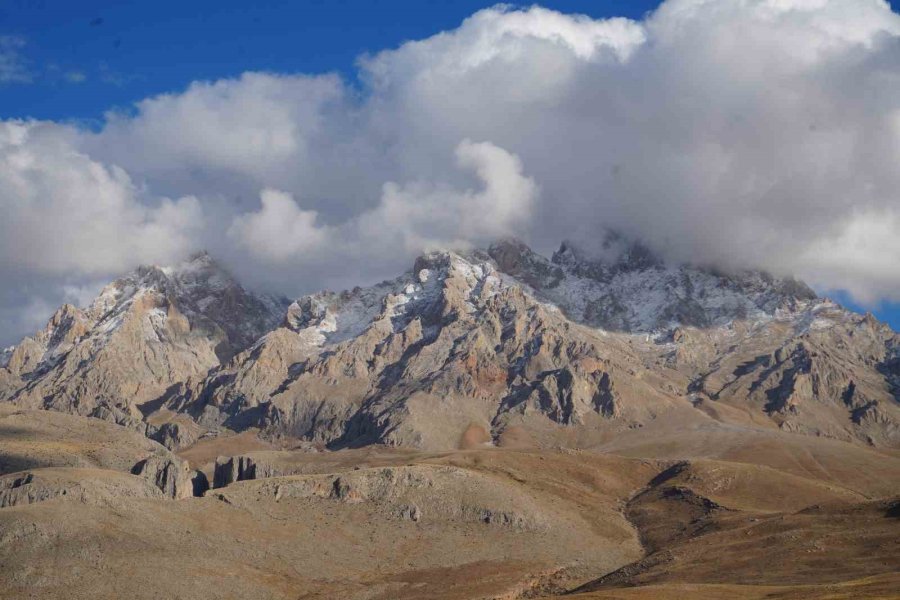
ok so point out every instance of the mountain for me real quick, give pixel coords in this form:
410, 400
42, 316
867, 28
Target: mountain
501, 345
490, 424
625, 287
143, 333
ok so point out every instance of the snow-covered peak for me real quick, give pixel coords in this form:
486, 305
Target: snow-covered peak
196, 284
198, 290
613, 254
200, 271
623, 286
439, 281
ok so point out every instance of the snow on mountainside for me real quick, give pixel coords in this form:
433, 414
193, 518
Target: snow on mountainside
635, 291
507, 338
204, 292
495, 339
5, 355
338, 317
143, 333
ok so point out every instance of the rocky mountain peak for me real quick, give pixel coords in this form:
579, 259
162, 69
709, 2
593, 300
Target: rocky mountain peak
486, 337
440, 283
64, 328
615, 253
144, 332
489, 336
515, 258
623, 286
619, 284
201, 290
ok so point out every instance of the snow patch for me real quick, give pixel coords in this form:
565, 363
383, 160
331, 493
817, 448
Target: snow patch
5, 355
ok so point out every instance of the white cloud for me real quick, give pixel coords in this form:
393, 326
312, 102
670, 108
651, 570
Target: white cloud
75, 77
425, 215
66, 213
256, 129
13, 68
279, 231
866, 248
409, 217
746, 133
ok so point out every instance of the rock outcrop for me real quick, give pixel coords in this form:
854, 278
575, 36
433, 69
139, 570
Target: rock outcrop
173, 476
413, 493
256, 465
87, 486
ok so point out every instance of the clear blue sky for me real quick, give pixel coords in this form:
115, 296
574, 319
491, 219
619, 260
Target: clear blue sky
88, 56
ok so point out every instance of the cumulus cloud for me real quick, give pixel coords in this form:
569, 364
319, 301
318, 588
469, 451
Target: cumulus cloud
234, 136
745, 133
858, 257
64, 212
418, 215
409, 218
279, 231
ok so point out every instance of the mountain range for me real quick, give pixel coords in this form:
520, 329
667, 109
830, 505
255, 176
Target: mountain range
476, 345
597, 420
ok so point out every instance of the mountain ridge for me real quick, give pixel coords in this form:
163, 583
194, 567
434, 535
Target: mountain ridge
471, 412
481, 344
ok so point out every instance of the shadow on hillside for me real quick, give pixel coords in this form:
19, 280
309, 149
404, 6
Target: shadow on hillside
12, 462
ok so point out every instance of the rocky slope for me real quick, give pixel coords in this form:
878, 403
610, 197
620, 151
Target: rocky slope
453, 346
491, 424
390, 524
487, 347
501, 346
46, 455
142, 334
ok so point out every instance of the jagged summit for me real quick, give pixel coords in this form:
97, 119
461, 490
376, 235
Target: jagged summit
497, 339
143, 332
508, 338
615, 253
626, 287
629, 289
207, 294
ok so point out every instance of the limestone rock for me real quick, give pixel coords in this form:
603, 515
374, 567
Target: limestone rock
173, 476
568, 351
508, 338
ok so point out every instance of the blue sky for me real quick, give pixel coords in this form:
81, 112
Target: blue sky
88, 56
81, 59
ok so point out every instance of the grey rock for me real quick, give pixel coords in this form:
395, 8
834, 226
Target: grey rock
173, 476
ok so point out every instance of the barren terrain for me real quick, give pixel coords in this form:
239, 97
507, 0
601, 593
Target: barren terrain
376, 522
490, 425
